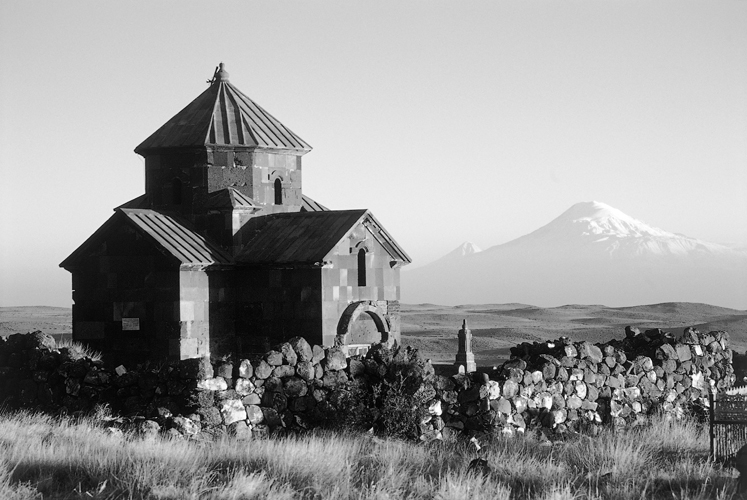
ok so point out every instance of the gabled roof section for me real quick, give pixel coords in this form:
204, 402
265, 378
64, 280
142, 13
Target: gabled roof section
307, 237
177, 237
139, 202
309, 205
223, 116
385, 239
230, 197
297, 237
172, 234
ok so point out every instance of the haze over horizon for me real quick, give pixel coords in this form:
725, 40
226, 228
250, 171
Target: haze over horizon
475, 122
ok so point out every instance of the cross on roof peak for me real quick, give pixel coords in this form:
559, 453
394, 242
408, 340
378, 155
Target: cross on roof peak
220, 74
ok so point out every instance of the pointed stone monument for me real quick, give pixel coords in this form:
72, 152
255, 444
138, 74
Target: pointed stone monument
464, 357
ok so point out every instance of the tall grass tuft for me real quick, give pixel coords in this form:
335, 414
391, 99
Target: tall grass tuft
460, 486
45, 457
14, 490
76, 350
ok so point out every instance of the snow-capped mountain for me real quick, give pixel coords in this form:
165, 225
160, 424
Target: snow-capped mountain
591, 253
463, 250
602, 228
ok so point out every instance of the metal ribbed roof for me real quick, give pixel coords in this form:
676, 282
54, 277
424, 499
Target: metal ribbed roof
309, 205
139, 202
173, 235
167, 231
297, 237
223, 116
307, 237
230, 197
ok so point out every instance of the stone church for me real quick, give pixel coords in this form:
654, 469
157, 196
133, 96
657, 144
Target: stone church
225, 254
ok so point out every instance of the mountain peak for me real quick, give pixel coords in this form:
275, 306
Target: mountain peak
596, 226
597, 219
594, 210
466, 248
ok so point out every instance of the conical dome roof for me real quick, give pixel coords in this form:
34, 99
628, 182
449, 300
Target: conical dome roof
223, 116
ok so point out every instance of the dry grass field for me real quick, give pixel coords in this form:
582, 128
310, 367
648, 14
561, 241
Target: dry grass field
56, 321
50, 458
42, 457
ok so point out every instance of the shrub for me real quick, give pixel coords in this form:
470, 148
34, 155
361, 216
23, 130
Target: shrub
401, 409
393, 405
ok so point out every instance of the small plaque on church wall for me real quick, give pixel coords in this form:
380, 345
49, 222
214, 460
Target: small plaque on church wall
130, 324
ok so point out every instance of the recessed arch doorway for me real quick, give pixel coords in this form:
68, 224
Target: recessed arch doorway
362, 324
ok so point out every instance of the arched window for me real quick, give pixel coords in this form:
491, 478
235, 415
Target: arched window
176, 192
278, 192
361, 267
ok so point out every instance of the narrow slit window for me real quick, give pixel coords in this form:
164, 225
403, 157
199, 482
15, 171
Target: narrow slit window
278, 192
176, 192
361, 267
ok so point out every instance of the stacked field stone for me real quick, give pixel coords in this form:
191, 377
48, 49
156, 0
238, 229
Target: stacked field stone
294, 386
558, 385
565, 385
289, 387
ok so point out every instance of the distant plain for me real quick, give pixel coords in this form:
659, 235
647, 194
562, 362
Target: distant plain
498, 327
495, 327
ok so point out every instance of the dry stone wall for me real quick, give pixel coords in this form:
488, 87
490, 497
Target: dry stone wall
564, 385
287, 388
554, 386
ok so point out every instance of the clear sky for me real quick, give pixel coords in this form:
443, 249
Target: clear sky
451, 121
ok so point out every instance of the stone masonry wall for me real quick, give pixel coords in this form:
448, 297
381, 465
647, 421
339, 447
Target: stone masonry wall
564, 385
552, 386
